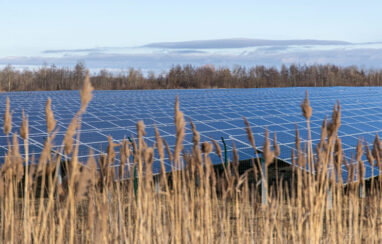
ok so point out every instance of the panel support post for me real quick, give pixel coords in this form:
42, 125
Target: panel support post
156, 184
225, 153
135, 172
263, 184
330, 198
361, 190
59, 172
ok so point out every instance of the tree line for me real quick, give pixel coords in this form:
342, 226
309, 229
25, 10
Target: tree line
188, 76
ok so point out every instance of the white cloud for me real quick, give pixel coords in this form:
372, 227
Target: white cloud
157, 60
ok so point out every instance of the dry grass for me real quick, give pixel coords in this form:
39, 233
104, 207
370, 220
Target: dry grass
196, 205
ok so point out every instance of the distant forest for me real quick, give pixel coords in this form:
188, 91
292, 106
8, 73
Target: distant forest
187, 76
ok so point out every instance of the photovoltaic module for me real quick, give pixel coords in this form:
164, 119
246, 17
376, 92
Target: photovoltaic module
216, 113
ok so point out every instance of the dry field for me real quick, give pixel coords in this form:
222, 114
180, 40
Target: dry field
195, 205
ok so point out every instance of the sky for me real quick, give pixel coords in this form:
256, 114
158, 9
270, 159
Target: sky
30, 28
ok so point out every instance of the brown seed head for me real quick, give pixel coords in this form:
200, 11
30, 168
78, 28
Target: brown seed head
359, 151
218, 149
169, 153
7, 118
267, 153
324, 131
110, 149
376, 151
159, 143
249, 133
195, 134
24, 129
16, 159
369, 155
306, 108
176, 103
206, 147
68, 139
338, 151
235, 155
50, 121
86, 92
338, 115
141, 129
15, 145
148, 155
276, 147
335, 124
180, 125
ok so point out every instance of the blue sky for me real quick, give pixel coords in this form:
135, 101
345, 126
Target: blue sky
30, 27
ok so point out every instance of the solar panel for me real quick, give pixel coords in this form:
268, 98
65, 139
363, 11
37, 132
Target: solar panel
216, 113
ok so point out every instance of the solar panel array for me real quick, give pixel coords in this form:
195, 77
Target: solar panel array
216, 113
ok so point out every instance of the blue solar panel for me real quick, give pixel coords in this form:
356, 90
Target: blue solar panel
215, 113
221, 125
285, 137
349, 140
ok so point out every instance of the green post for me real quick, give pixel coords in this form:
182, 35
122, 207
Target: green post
135, 173
225, 153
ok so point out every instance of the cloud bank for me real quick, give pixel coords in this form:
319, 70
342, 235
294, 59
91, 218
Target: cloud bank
240, 43
221, 53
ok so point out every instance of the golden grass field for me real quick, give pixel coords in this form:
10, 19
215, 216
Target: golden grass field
195, 205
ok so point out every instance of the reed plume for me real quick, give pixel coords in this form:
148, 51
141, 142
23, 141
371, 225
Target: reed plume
7, 118
16, 158
160, 148
86, 92
369, 155
180, 127
195, 134
69, 136
50, 121
377, 150
306, 108
206, 147
267, 152
168, 150
218, 149
249, 133
24, 129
